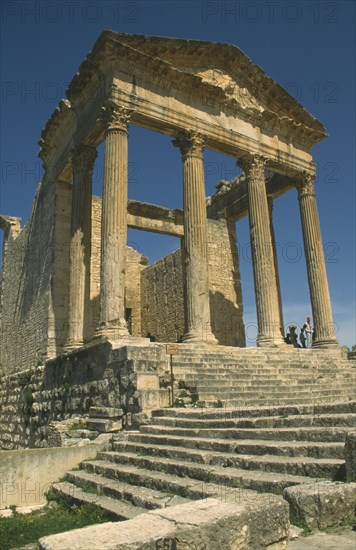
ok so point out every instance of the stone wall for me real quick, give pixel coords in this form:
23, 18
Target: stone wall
129, 377
26, 475
35, 281
162, 299
162, 291
26, 283
58, 313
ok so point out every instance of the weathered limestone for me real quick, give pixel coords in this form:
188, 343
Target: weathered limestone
221, 100
27, 474
323, 504
275, 260
114, 224
80, 246
162, 302
350, 456
314, 254
195, 261
205, 524
266, 292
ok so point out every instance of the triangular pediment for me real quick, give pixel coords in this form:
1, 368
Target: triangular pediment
225, 67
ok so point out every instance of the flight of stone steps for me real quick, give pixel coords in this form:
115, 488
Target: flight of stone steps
233, 377
231, 454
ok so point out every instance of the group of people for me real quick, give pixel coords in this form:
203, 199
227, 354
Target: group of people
305, 335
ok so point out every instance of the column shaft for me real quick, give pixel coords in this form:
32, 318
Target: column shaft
113, 224
195, 242
266, 293
316, 269
83, 159
276, 269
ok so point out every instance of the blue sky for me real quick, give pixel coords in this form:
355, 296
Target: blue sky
307, 46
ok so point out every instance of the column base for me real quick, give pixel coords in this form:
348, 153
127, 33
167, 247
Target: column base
111, 332
71, 346
327, 343
198, 338
268, 342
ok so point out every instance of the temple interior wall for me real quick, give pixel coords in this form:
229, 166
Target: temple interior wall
162, 291
35, 285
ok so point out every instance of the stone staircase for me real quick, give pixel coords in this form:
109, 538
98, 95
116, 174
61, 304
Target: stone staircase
232, 454
232, 377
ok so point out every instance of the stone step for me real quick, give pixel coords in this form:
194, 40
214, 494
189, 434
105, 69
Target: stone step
76, 495
106, 412
174, 487
278, 384
346, 419
265, 371
230, 380
257, 371
244, 402
263, 400
233, 477
104, 425
262, 372
328, 407
141, 497
246, 446
277, 434
285, 392
326, 468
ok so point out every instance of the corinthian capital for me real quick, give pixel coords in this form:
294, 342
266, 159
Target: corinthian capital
253, 165
83, 157
115, 117
305, 184
190, 143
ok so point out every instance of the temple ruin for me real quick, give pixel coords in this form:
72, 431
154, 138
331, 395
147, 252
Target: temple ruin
223, 444
69, 278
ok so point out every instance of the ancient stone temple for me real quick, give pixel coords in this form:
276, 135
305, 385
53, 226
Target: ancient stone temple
77, 303
68, 276
222, 443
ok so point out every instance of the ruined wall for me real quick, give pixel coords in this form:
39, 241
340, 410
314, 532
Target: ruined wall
162, 303
225, 284
162, 291
26, 284
69, 385
35, 281
58, 313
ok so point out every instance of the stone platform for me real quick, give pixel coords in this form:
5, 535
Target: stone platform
137, 379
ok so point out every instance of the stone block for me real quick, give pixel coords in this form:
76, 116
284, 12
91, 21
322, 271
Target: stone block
105, 412
147, 382
350, 456
321, 505
205, 524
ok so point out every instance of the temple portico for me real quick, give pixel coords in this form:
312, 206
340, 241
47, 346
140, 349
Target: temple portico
222, 102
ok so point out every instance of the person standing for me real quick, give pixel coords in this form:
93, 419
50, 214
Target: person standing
302, 336
309, 333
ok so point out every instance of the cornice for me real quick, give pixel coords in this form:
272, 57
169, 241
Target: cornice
161, 64
229, 57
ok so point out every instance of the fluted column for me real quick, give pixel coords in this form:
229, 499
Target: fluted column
316, 269
276, 269
112, 322
195, 242
83, 159
266, 293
